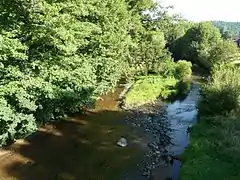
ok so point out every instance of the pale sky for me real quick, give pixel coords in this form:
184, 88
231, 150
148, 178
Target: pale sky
198, 10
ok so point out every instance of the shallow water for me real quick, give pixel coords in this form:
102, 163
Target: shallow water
71, 140
173, 120
182, 115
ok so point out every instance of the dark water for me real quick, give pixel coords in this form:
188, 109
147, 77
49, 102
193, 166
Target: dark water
177, 116
181, 116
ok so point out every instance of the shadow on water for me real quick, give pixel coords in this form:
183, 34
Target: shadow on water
83, 148
181, 115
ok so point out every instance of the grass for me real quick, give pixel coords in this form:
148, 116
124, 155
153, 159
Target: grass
149, 88
214, 151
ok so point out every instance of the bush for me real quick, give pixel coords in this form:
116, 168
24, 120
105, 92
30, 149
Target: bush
224, 51
183, 70
221, 96
215, 144
149, 88
166, 68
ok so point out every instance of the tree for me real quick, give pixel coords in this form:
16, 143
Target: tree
147, 51
56, 57
224, 52
227, 35
231, 27
198, 42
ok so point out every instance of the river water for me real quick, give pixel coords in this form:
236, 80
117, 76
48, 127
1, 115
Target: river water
168, 121
182, 115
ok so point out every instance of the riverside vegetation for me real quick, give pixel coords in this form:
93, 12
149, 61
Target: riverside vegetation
58, 56
215, 141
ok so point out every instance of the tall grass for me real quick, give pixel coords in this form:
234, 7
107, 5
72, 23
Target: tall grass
172, 79
149, 88
214, 151
221, 96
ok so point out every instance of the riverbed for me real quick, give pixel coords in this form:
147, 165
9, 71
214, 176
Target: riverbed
84, 147
168, 125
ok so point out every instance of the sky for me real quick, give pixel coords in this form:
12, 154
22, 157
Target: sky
202, 10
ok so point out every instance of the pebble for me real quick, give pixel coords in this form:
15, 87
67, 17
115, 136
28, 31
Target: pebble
147, 118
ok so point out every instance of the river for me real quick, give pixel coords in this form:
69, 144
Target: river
169, 126
85, 146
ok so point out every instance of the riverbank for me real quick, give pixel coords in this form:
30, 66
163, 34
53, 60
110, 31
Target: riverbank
87, 143
167, 125
147, 89
214, 151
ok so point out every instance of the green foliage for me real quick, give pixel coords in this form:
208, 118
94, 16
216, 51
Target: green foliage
149, 88
229, 30
227, 35
221, 96
215, 139
148, 52
58, 56
224, 51
214, 150
166, 68
173, 79
198, 42
183, 70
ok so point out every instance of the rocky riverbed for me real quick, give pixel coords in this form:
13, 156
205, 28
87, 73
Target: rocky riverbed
166, 126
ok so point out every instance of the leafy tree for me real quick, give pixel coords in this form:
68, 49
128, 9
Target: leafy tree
147, 51
198, 42
225, 51
231, 28
227, 35
56, 56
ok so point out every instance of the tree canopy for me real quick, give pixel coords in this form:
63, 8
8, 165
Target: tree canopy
229, 30
57, 56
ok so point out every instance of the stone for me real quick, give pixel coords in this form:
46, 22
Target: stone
122, 142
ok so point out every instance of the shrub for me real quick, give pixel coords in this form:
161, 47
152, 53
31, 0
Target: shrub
224, 51
183, 70
215, 143
221, 96
149, 88
55, 58
166, 68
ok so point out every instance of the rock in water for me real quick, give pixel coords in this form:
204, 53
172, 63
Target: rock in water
122, 142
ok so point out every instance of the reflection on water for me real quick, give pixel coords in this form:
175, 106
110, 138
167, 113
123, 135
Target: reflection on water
168, 122
181, 115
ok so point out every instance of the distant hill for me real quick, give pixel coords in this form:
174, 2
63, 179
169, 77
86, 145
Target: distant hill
228, 28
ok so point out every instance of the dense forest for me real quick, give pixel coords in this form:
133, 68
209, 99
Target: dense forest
228, 29
58, 56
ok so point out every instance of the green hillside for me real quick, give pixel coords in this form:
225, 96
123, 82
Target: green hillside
228, 28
